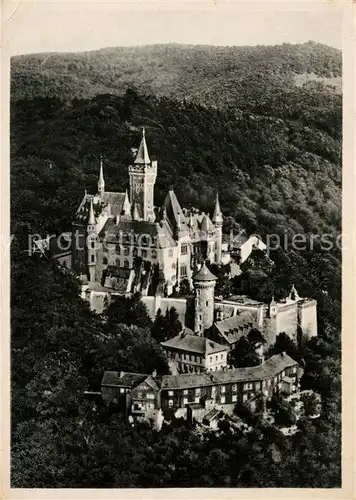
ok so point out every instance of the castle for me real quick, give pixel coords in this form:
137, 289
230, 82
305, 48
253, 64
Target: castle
124, 242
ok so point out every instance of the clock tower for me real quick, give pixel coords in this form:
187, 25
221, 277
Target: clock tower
142, 175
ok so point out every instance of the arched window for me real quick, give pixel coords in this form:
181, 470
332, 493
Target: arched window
134, 252
126, 263
170, 253
105, 261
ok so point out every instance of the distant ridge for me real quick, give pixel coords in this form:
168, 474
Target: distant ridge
204, 73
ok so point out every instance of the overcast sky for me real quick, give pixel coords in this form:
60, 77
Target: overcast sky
65, 26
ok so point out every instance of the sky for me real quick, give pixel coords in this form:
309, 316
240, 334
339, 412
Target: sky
69, 27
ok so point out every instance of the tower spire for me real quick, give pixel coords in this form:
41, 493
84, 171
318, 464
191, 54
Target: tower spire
101, 182
91, 218
142, 156
217, 216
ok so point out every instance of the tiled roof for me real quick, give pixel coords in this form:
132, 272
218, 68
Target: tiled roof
194, 343
268, 369
232, 329
204, 274
158, 233
173, 209
116, 201
126, 380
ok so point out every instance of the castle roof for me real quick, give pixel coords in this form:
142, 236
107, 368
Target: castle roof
270, 368
232, 329
159, 234
142, 157
116, 201
194, 343
204, 274
173, 209
206, 224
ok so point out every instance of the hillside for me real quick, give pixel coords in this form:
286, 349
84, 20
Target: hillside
209, 75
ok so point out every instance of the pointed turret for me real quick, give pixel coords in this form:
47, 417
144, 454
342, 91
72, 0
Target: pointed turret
293, 294
218, 222
142, 157
217, 217
135, 212
91, 218
101, 182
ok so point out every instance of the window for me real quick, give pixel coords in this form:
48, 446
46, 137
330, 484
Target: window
184, 249
139, 394
222, 388
122, 390
173, 265
144, 241
170, 403
134, 252
117, 262
105, 260
234, 398
244, 398
210, 359
93, 244
126, 263
154, 253
150, 395
170, 253
234, 388
213, 390
126, 251
183, 271
207, 303
216, 357
185, 392
197, 391
173, 278
93, 258
196, 400
185, 401
150, 405
222, 400
144, 253
118, 249
170, 393
221, 356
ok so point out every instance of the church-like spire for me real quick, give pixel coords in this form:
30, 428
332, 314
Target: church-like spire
217, 217
91, 218
142, 156
101, 182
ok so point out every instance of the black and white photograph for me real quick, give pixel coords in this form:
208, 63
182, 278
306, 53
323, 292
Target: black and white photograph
176, 241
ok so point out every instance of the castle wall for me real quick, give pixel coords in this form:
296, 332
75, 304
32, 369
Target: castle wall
287, 320
308, 317
164, 303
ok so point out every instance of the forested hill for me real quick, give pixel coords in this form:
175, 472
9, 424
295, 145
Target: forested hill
274, 173
209, 75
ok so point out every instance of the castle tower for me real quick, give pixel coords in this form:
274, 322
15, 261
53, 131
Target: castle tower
91, 239
101, 182
143, 175
218, 222
204, 284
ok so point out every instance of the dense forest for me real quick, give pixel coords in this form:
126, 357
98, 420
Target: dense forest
260, 125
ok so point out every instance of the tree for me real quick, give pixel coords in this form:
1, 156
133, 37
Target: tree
285, 344
128, 310
158, 329
244, 354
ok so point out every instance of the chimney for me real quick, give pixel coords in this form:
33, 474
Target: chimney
121, 374
154, 373
283, 354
